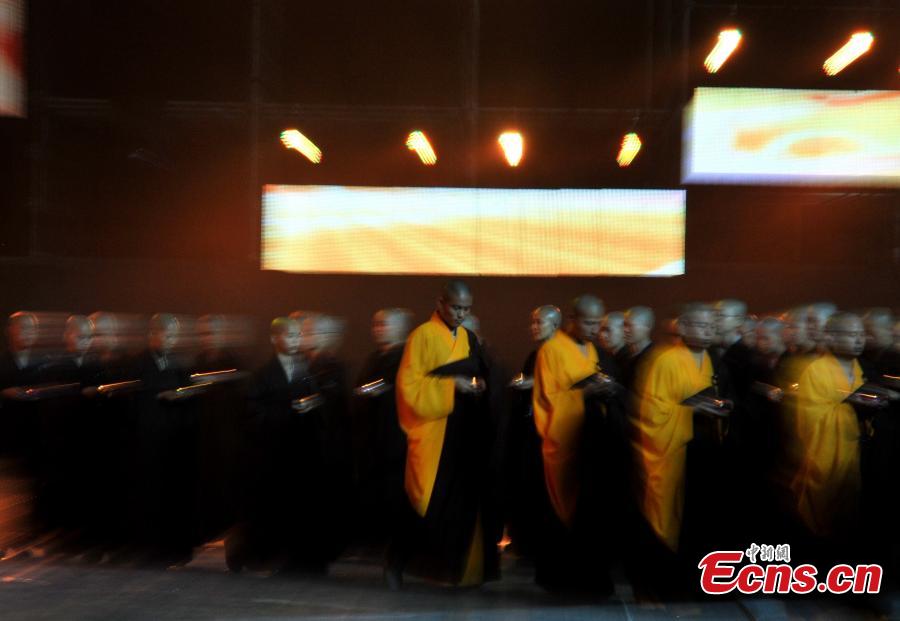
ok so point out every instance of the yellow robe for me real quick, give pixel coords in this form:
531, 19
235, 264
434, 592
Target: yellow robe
559, 416
424, 402
827, 431
663, 428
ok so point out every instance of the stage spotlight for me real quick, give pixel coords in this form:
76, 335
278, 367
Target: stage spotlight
631, 145
417, 141
293, 139
726, 44
513, 146
859, 44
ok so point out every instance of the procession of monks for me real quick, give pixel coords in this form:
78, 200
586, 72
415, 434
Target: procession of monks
609, 454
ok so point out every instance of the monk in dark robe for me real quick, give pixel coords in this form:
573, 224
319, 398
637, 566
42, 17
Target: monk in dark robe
442, 411
637, 327
220, 410
379, 443
567, 380
880, 458
68, 451
22, 365
524, 474
612, 338
283, 517
163, 502
321, 341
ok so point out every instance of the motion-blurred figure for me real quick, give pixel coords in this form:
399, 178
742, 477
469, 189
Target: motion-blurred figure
380, 445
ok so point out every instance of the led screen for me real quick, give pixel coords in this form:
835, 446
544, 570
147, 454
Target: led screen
394, 230
12, 82
750, 135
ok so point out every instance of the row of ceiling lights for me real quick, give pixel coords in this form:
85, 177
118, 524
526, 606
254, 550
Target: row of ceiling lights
512, 143
728, 41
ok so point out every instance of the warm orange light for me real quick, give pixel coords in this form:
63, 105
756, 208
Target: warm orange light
726, 44
293, 139
859, 44
417, 141
513, 147
631, 145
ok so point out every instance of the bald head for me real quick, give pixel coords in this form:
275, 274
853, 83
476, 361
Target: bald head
730, 317
212, 331
845, 336
455, 288
585, 317
769, 336
879, 323
165, 329
612, 332
22, 330
697, 326
390, 327
545, 321
818, 314
796, 332
284, 334
638, 325
455, 303
78, 334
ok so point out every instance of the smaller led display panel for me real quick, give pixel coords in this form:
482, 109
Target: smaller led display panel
12, 75
792, 137
519, 232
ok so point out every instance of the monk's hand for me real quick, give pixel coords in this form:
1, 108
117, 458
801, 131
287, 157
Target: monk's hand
716, 407
600, 384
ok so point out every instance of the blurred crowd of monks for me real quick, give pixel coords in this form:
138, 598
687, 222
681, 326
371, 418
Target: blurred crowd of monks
128, 441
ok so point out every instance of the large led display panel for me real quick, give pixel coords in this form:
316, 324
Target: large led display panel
12, 80
802, 137
397, 230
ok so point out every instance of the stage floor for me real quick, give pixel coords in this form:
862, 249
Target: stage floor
56, 588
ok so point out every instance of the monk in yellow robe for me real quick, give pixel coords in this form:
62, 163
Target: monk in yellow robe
441, 410
827, 431
565, 374
663, 426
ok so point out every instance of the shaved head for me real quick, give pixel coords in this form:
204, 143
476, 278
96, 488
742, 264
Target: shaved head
455, 303
612, 332
730, 317
769, 336
638, 325
545, 321
587, 304
551, 313
697, 326
641, 314
280, 324
391, 326
585, 317
879, 323
285, 335
455, 289
844, 335
78, 334
818, 315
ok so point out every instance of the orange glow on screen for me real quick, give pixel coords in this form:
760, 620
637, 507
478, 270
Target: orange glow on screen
401, 230
789, 136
